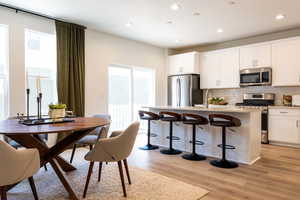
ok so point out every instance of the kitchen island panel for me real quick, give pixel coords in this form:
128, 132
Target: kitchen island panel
246, 139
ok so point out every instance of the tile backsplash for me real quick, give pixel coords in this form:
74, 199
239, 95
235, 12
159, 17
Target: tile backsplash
236, 95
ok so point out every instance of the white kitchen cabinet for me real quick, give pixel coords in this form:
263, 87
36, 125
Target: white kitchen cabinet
284, 126
229, 68
219, 69
184, 63
258, 55
285, 62
209, 63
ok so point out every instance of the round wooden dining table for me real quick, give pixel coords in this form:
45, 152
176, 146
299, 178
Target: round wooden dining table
27, 136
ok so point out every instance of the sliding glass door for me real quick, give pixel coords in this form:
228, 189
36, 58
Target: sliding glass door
3, 71
130, 88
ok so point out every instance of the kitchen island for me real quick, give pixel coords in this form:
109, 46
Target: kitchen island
246, 138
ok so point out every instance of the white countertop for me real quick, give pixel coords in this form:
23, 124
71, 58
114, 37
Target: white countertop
230, 109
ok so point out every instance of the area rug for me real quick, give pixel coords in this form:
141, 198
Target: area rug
145, 185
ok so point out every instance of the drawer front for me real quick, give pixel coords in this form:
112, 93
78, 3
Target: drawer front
283, 112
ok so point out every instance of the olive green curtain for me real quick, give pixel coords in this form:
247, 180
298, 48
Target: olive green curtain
70, 67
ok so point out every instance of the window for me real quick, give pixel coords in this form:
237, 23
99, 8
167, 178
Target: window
3, 71
40, 63
130, 88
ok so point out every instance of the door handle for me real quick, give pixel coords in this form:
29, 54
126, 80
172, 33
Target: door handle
179, 92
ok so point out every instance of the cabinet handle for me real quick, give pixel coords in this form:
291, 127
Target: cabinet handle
254, 63
299, 78
297, 124
282, 112
232, 130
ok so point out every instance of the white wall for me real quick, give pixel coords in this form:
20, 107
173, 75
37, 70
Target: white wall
104, 49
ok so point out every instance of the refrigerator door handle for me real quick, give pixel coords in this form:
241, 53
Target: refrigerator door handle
179, 82
191, 90
177, 92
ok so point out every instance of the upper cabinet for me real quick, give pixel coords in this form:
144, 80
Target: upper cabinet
184, 63
286, 62
219, 69
258, 55
209, 64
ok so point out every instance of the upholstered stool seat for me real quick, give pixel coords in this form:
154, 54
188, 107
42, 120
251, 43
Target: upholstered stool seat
149, 116
224, 121
194, 120
170, 117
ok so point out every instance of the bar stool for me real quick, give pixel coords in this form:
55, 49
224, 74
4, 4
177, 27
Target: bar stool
149, 116
194, 120
224, 121
170, 117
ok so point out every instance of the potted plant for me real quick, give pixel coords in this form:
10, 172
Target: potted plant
57, 111
217, 101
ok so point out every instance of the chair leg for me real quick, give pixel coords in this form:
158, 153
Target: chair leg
99, 173
3, 193
91, 146
127, 171
73, 152
33, 188
88, 178
122, 177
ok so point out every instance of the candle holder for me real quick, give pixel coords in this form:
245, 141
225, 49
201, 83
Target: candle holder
38, 120
28, 94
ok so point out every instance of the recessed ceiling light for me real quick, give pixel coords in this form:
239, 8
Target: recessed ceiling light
280, 16
177, 41
220, 30
196, 13
129, 24
175, 6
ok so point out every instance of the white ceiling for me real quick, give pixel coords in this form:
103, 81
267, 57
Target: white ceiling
149, 18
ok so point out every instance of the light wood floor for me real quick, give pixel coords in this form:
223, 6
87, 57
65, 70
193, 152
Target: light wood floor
275, 176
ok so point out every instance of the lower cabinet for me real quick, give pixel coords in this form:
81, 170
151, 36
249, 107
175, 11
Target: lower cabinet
284, 126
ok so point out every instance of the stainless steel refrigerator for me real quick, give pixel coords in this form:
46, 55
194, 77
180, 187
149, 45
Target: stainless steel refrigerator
184, 90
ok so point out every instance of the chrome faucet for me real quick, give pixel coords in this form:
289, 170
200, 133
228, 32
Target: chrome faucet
206, 97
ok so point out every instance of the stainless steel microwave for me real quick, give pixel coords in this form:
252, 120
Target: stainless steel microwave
256, 76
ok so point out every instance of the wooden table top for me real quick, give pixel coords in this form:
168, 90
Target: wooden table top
13, 127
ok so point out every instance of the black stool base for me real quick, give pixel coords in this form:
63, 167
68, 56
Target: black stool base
148, 147
194, 157
224, 164
170, 151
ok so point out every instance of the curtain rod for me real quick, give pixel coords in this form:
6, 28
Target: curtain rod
34, 13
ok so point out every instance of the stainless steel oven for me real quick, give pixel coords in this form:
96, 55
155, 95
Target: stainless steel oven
256, 76
261, 101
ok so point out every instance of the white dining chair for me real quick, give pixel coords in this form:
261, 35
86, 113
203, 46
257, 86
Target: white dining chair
17, 165
113, 149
